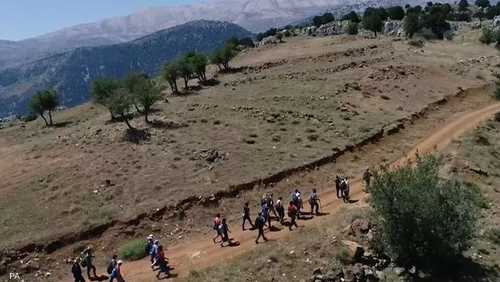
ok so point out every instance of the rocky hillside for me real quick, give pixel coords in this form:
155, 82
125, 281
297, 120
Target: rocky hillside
72, 72
255, 15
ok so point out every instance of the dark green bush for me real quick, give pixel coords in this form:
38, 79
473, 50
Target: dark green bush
352, 28
423, 221
133, 250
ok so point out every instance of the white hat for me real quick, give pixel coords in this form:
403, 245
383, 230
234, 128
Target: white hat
150, 236
119, 262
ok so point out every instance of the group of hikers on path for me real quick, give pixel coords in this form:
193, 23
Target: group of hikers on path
295, 209
153, 248
86, 260
268, 207
157, 256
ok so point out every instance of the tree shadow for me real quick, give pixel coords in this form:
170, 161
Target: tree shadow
233, 70
465, 270
62, 124
137, 135
167, 124
210, 82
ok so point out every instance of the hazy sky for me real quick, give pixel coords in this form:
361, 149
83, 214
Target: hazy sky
21, 19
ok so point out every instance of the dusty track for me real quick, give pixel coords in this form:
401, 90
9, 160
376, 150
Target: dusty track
201, 252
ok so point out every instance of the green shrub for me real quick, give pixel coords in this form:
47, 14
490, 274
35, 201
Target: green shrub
352, 28
487, 36
423, 220
133, 250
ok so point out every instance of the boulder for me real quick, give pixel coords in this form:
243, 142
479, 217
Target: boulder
360, 226
354, 249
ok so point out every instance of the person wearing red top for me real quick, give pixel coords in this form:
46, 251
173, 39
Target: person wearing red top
292, 213
217, 223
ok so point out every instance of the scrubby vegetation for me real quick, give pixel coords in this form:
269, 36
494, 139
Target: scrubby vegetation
133, 250
44, 102
352, 28
323, 19
423, 220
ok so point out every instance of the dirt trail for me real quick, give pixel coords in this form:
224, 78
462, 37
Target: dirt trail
201, 252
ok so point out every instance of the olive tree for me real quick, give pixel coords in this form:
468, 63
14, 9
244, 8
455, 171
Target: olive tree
423, 220
102, 90
145, 93
120, 103
170, 74
42, 102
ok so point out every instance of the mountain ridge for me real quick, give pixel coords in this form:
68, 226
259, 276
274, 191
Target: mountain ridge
253, 15
71, 72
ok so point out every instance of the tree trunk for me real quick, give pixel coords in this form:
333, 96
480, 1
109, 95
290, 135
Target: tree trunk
125, 119
44, 119
137, 109
50, 118
146, 112
186, 80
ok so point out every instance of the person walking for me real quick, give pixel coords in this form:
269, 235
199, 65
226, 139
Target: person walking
246, 216
117, 272
292, 213
162, 263
367, 175
77, 271
337, 187
149, 247
112, 265
224, 230
270, 204
260, 221
280, 209
314, 202
216, 227
265, 213
154, 253
88, 258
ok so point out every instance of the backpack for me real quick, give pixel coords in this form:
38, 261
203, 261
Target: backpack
83, 263
259, 222
111, 267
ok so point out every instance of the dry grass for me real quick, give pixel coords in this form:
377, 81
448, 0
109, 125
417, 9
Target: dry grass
262, 121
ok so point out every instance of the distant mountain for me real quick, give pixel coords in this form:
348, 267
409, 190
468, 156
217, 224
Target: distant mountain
254, 15
72, 72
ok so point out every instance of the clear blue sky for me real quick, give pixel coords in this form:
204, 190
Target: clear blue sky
21, 19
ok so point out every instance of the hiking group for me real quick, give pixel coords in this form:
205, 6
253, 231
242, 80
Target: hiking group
157, 256
295, 210
276, 210
153, 248
86, 260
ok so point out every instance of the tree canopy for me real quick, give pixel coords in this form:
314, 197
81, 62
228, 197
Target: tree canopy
45, 101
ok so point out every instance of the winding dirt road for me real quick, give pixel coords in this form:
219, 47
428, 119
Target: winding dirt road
200, 252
